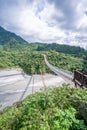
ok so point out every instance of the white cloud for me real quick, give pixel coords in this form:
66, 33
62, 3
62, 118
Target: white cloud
47, 20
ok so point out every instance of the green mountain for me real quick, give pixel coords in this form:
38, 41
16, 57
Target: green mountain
7, 37
11, 41
66, 49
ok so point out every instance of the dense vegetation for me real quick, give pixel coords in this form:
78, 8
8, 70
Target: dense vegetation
28, 61
66, 49
60, 108
33, 62
15, 53
65, 61
68, 57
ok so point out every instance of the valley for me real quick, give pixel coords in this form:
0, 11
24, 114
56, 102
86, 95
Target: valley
36, 85
15, 88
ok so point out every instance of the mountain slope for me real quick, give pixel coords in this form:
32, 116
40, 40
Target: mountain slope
9, 37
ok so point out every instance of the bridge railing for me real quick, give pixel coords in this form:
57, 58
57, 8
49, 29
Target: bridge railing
80, 76
66, 71
59, 71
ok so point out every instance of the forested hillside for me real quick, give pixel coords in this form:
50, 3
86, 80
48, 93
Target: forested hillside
30, 62
33, 62
65, 61
7, 37
29, 56
11, 40
66, 49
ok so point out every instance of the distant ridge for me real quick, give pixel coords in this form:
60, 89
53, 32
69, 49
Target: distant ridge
9, 37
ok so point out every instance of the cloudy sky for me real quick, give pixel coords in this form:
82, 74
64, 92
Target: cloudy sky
60, 21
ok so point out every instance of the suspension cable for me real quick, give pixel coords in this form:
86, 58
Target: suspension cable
26, 88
